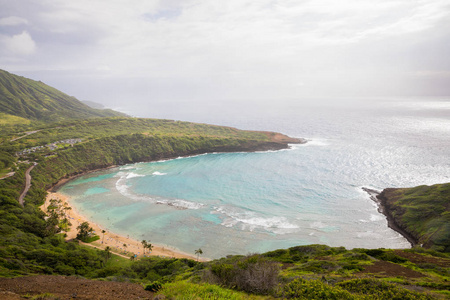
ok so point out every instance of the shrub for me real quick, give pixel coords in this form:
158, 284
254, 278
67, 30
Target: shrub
153, 287
319, 266
314, 289
374, 252
161, 269
253, 274
386, 255
91, 239
188, 290
377, 289
356, 256
353, 266
64, 269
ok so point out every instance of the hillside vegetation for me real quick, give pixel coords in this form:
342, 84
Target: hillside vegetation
36, 101
32, 242
423, 212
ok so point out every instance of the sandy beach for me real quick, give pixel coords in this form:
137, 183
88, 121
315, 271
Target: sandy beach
114, 241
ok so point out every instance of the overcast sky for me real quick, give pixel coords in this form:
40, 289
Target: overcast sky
118, 52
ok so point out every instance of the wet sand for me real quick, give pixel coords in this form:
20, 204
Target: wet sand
114, 241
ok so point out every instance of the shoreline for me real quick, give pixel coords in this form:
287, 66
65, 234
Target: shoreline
110, 239
116, 241
381, 207
54, 187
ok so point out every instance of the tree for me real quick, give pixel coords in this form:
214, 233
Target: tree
125, 247
144, 245
57, 220
107, 253
103, 238
149, 247
84, 231
198, 252
65, 226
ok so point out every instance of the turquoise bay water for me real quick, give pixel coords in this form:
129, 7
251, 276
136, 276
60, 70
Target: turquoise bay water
239, 203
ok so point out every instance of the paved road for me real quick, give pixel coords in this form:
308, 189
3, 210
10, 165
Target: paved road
27, 183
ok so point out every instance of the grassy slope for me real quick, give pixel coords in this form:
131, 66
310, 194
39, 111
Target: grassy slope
34, 100
7, 119
423, 212
302, 272
104, 127
27, 245
114, 141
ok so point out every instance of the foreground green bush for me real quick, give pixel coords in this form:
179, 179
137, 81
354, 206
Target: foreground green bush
153, 287
314, 289
252, 274
376, 289
187, 290
351, 289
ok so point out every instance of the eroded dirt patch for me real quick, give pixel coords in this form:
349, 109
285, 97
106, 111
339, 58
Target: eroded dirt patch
68, 287
420, 259
389, 269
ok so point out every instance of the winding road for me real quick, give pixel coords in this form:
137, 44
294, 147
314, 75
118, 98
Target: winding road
27, 183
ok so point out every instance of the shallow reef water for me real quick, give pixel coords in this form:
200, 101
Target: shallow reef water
239, 203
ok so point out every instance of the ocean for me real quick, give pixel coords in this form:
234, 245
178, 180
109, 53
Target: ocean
241, 203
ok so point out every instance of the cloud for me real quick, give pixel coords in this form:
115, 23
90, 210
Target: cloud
19, 44
234, 48
12, 21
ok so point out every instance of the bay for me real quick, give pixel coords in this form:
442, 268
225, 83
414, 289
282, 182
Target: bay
239, 203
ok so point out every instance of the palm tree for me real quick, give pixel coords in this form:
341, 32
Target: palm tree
125, 246
107, 254
103, 238
144, 245
149, 247
198, 252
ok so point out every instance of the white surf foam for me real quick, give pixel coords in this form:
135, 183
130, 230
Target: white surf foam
251, 221
374, 218
181, 204
133, 175
127, 168
158, 173
315, 142
124, 189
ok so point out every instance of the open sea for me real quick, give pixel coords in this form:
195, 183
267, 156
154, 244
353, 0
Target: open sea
240, 203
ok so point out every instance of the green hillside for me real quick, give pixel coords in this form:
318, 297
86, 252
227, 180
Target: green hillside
32, 243
54, 137
423, 212
36, 101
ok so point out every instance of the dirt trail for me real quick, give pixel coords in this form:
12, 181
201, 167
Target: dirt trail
27, 183
8, 175
26, 134
103, 248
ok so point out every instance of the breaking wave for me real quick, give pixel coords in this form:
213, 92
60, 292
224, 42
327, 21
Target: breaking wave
158, 173
124, 189
133, 175
247, 220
